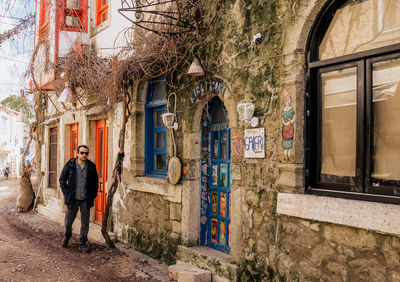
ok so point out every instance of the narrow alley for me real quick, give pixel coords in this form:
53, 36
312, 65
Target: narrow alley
30, 250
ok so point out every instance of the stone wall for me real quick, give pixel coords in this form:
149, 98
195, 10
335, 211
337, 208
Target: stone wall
313, 250
149, 223
265, 245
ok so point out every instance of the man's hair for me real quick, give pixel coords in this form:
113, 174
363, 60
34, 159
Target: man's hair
82, 146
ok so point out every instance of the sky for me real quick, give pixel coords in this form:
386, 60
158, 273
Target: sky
15, 54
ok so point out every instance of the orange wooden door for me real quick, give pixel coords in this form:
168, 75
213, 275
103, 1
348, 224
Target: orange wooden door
101, 165
74, 140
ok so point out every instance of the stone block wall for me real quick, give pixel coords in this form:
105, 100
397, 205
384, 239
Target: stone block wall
266, 246
149, 223
313, 251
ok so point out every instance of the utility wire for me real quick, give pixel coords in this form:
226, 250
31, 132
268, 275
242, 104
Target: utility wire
15, 60
13, 18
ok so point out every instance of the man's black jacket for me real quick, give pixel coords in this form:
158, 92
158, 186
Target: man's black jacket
68, 182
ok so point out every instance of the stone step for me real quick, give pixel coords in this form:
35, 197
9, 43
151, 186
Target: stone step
183, 272
219, 264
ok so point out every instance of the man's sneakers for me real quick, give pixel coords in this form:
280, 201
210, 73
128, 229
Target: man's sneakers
84, 248
64, 243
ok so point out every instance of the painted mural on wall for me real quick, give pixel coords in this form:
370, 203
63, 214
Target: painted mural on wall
237, 145
190, 170
288, 117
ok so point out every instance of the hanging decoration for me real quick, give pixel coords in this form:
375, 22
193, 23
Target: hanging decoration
160, 17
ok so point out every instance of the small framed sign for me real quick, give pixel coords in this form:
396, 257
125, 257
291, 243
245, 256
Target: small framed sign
254, 143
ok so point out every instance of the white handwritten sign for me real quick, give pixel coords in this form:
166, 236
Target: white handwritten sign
254, 143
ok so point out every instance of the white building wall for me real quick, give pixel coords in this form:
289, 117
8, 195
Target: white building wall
108, 37
11, 140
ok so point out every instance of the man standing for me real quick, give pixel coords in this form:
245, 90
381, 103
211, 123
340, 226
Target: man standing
79, 183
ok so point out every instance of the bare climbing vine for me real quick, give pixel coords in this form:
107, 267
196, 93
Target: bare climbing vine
112, 81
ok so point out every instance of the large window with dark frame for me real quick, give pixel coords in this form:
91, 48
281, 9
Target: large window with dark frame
156, 132
353, 101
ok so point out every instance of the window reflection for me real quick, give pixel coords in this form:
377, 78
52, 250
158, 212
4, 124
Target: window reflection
160, 162
215, 145
158, 119
339, 93
360, 26
224, 145
160, 140
385, 164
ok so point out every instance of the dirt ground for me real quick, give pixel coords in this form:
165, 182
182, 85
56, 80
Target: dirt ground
30, 250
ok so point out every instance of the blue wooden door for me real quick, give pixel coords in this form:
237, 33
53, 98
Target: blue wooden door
215, 177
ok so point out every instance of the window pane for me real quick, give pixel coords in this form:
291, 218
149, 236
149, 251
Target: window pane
360, 26
72, 21
160, 162
73, 4
101, 153
338, 154
104, 16
215, 145
385, 163
159, 91
224, 145
219, 116
53, 158
74, 143
158, 119
160, 140
46, 11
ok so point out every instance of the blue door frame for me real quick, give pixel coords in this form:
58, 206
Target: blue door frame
215, 178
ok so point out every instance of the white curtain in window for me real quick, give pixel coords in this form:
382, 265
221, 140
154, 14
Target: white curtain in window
386, 120
339, 93
362, 26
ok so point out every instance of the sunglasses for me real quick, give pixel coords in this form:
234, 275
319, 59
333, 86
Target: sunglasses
84, 153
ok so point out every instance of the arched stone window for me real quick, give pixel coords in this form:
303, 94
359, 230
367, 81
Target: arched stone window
353, 101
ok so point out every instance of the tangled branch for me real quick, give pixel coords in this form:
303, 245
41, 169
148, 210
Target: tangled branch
23, 25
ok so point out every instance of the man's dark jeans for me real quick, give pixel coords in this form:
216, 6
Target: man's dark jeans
70, 216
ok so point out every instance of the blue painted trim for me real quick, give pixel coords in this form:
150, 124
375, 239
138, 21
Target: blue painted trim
156, 175
208, 132
151, 107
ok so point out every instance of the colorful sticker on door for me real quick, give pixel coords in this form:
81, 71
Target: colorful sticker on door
224, 174
214, 175
224, 145
222, 233
223, 203
215, 145
204, 199
214, 230
214, 202
288, 116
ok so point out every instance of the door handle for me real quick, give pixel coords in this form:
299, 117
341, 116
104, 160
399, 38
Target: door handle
101, 186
